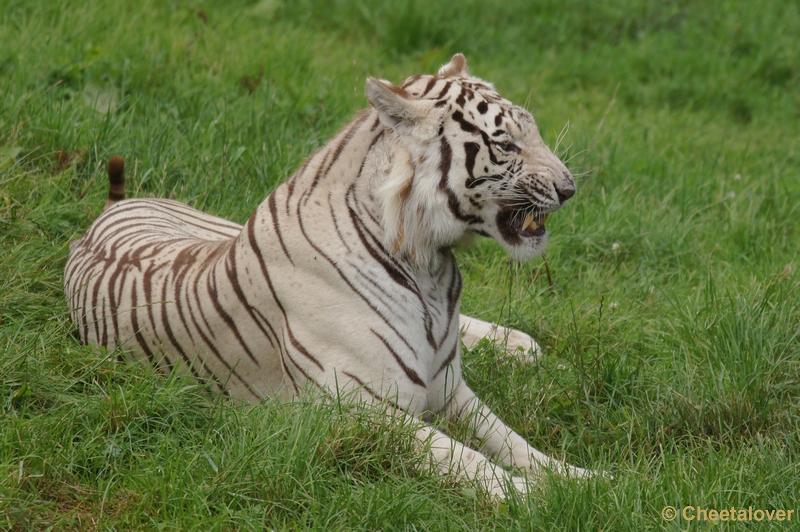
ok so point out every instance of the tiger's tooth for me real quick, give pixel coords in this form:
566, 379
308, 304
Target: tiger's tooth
544, 218
528, 221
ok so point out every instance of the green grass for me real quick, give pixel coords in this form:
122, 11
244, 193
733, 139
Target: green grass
671, 330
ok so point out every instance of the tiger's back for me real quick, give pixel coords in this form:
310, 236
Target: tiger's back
269, 306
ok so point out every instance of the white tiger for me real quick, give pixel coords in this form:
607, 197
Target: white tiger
343, 277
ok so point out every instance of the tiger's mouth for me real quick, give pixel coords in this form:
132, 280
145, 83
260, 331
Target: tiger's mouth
531, 225
518, 224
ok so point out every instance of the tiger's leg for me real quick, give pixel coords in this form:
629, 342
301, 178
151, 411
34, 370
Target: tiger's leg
449, 457
517, 343
501, 441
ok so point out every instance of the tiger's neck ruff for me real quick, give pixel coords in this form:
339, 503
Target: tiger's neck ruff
343, 277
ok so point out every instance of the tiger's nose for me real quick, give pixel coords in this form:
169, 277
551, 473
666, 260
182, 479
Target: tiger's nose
566, 189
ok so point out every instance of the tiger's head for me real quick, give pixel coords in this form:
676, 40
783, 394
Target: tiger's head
463, 160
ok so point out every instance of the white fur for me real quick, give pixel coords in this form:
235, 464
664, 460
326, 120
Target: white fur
342, 278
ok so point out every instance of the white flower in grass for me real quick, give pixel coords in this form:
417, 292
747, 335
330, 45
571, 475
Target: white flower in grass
615, 247
613, 305
561, 367
737, 177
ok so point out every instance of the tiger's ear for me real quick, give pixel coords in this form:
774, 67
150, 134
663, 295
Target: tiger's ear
399, 111
457, 67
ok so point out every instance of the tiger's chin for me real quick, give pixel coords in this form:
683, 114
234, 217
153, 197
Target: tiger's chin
530, 247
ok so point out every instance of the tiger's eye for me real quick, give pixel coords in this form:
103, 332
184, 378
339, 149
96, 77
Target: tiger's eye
508, 147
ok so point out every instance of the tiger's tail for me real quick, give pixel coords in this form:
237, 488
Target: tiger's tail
116, 181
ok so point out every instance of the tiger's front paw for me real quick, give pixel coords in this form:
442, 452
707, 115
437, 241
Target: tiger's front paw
521, 345
499, 488
540, 464
515, 343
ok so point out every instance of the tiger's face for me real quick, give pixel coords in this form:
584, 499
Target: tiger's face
493, 175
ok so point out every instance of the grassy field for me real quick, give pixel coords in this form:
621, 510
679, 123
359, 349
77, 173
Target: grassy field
671, 329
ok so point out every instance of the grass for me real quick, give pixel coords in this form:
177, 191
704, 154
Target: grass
671, 329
